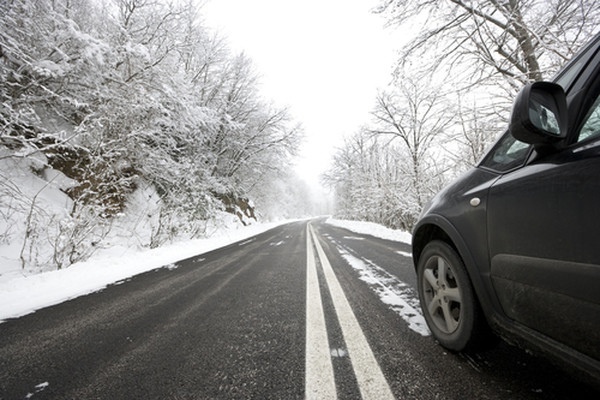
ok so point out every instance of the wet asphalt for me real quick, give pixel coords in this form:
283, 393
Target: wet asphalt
231, 324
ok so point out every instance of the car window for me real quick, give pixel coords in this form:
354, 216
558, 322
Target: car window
591, 124
591, 127
508, 153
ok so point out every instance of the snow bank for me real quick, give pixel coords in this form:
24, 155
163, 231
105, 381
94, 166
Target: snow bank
373, 229
21, 294
33, 206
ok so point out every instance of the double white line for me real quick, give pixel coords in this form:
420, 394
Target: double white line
320, 381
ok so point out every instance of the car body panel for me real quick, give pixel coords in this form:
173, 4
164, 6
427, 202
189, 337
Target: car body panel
543, 222
464, 223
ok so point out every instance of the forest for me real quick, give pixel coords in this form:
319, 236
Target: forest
450, 98
111, 104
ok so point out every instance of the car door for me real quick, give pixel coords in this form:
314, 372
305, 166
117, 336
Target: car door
544, 238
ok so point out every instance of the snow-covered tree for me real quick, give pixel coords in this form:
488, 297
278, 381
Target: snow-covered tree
414, 114
371, 181
122, 96
453, 86
517, 40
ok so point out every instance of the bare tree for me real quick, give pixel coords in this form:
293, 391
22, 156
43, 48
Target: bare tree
476, 127
417, 116
251, 135
518, 40
371, 181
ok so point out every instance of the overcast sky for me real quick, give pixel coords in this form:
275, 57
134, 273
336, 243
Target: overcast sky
324, 59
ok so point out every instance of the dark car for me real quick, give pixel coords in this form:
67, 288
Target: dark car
514, 244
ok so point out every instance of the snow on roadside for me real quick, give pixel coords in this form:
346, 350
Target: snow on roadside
21, 295
391, 291
373, 229
400, 297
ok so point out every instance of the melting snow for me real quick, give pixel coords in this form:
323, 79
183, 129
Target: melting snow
38, 388
392, 291
338, 353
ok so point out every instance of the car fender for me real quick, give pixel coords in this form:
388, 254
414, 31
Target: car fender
436, 227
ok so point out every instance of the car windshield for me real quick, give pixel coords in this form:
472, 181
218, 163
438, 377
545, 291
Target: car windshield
569, 73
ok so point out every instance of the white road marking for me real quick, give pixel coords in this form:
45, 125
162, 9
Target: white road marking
354, 237
370, 378
320, 381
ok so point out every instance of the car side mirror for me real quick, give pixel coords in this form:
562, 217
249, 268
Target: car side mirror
539, 114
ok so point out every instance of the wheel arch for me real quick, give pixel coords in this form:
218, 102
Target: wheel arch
426, 233
436, 227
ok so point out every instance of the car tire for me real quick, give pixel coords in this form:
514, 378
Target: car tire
448, 300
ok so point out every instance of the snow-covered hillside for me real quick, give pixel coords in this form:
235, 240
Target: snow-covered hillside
129, 126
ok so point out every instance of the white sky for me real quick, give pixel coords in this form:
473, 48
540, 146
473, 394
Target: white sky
324, 59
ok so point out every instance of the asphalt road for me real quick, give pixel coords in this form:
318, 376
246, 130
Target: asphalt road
292, 313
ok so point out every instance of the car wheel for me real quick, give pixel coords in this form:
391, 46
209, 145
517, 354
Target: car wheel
447, 298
